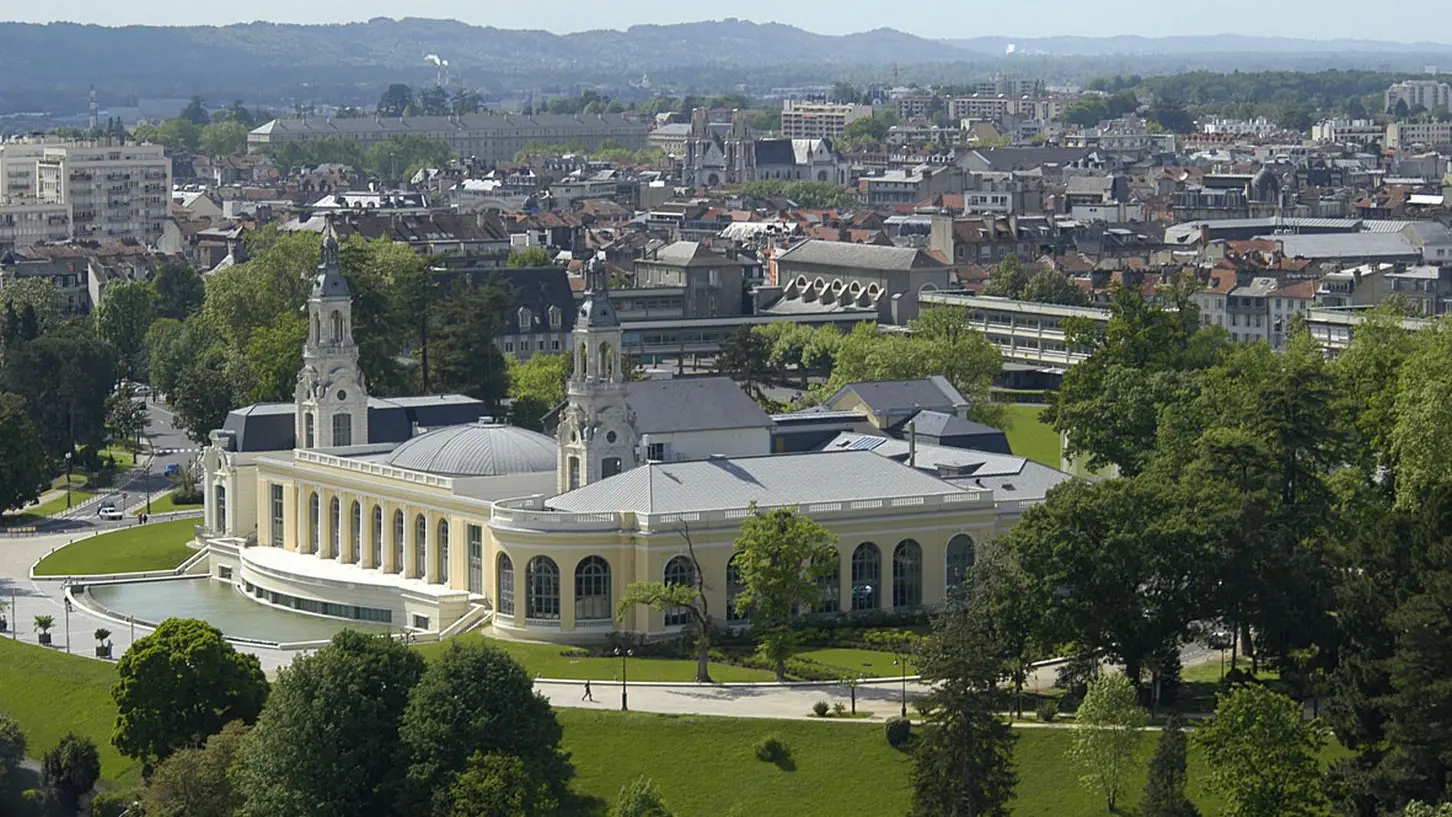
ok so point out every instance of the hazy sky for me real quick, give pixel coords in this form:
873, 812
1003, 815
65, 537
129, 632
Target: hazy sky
1322, 19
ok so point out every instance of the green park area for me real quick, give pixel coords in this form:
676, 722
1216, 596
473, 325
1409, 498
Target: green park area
704, 766
1030, 437
554, 661
168, 504
153, 546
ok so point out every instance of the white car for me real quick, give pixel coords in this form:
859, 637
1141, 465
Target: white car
108, 510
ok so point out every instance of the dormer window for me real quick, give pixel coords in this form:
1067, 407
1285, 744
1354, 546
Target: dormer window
556, 319
526, 319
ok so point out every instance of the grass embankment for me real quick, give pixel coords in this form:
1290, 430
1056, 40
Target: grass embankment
1030, 437
547, 661
51, 693
167, 504
158, 546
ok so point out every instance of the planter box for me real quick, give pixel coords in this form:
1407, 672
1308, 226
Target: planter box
45, 639
103, 651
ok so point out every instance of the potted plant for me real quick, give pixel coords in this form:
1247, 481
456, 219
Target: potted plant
42, 628
4, 623
103, 646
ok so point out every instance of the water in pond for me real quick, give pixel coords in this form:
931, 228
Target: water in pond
222, 606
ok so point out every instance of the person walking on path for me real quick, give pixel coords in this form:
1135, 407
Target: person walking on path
588, 696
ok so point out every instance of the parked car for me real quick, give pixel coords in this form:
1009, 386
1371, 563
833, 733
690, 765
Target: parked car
111, 513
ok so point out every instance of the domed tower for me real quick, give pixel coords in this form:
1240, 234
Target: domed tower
332, 400
597, 436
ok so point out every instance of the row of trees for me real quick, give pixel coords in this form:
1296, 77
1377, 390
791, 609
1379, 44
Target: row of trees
395, 159
940, 342
399, 100
806, 193
1047, 286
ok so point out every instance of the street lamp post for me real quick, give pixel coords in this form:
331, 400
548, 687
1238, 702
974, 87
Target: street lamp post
146, 475
624, 687
68, 480
902, 663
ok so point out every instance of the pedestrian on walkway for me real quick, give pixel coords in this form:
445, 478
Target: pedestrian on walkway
587, 696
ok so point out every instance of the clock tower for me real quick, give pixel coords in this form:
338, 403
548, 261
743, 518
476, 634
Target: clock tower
332, 400
597, 436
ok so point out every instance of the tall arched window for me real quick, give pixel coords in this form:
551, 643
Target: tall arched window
376, 545
420, 545
907, 575
315, 523
734, 588
337, 326
356, 543
573, 471
398, 525
679, 570
443, 551
829, 587
960, 559
607, 361
542, 589
504, 574
220, 493
335, 533
592, 590
866, 576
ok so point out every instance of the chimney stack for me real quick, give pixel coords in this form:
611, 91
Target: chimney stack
913, 444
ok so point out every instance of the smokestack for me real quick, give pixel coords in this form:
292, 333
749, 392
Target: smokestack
913, 444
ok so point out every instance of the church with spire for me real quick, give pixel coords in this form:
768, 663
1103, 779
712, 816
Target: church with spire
332, 398
596, 435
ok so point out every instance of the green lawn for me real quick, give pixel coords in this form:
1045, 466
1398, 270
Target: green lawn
158, 546
868, 663
545, 661
35, 513
51, 693
165, 504
1029, 437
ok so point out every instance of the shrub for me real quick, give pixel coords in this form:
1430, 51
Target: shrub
839, 709
35, 800
899, 731
773, 750
1047, 711
821, 708
111, 804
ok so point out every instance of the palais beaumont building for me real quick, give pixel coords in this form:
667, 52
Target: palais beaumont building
423, 514
489, 137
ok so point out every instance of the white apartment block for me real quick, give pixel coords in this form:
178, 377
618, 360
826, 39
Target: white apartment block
1430, 94
1406, 134
92, 191
819, 120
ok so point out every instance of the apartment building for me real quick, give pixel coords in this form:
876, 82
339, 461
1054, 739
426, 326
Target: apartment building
92, 191
819, 120
1430, 94
1405, 134
1024, 331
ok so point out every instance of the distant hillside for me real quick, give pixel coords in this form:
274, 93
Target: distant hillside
1130, 45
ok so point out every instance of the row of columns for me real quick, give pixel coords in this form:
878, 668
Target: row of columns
355, 544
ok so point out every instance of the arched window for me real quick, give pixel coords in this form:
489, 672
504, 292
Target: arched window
960, 559
679, 570
398, 541
734, 588
505, 576
542, 589
866, 576
582, 360
420, 545
315, 523
607, 361
342, 430
592, 590
574, 473
335, 533
443, 551
829, 587
357, 534
376, 545
337, 326
308, 430
317, 331
907, 575
220, 507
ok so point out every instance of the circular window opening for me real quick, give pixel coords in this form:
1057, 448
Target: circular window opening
610, 438
342, 395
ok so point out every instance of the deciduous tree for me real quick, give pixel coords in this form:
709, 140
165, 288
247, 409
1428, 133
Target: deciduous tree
123, 316
641, 799
499, 785
1108, 728
179, 685
12, 747
197, 782
1261, 754
328, 743
69, 771
23, 461
781, 556
690, 597
1164, 791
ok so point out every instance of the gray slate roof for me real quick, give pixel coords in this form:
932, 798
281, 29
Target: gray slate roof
688, 254
905, 397
858, 256
1010, 478
736, 482
696, 404
1346, 245
477, 450
272, 426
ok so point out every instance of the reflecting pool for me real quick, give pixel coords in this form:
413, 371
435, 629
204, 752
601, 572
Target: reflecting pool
222, 606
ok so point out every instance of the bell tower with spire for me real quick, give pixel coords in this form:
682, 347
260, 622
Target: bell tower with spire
332, 400
597, 435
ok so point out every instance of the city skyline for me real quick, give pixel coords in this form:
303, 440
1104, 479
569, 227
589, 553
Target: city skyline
931, 18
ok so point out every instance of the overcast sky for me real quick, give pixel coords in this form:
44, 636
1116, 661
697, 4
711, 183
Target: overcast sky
1322, 19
